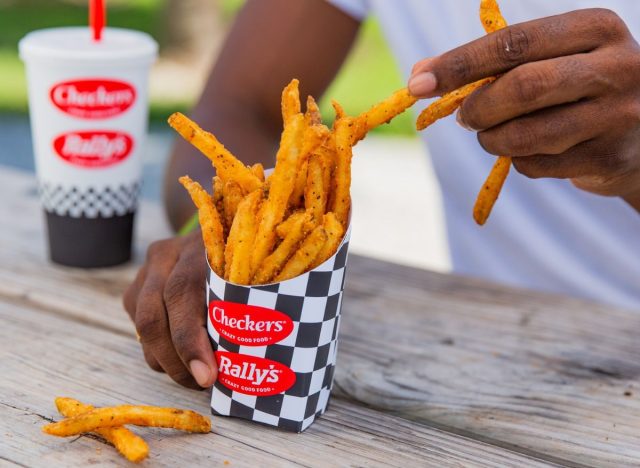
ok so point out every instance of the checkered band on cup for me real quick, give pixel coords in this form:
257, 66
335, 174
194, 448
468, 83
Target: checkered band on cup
91, 202
312, 302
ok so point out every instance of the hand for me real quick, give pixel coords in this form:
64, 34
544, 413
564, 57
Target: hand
166, 302
566, 104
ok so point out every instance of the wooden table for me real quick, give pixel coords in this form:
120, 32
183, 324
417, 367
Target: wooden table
433, 369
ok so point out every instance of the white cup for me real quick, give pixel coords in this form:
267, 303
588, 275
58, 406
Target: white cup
88, 103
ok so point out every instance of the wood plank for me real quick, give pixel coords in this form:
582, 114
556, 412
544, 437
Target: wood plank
44, 356
545, 374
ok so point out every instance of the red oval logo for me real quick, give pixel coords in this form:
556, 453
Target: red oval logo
249, 325
253, 375
93, 99
93, 148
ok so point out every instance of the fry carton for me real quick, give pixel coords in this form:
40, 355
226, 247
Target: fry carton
276, 344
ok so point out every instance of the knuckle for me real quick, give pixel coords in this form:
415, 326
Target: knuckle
158, 248
461, 66
183, 340
609, 22
530, 83
512, 45
519, 141
148, 327
178, 287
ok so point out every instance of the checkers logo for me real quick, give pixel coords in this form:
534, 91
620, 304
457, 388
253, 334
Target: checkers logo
253, 375
93, 149
93, 99
249, 325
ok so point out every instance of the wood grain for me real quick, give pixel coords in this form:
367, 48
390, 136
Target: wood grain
555, 377
51, 356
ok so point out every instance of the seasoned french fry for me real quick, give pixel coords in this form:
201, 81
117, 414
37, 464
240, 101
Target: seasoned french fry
290, 101
258, 171
491, 190
312, 115
285, 226
491, 17
339, 110
173, 418
313, 137
232, 196
341, 203
305, 255
318, 184
268, 269
133, 447
448, 103
335, 232
227, 165
210, 223
281, 182
383, 112
217, 186
243, 231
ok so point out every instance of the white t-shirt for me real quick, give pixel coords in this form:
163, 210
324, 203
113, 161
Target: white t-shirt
543, 234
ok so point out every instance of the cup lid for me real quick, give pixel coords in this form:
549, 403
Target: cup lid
75, 44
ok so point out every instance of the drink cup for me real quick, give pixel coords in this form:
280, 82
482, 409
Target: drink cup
88, 105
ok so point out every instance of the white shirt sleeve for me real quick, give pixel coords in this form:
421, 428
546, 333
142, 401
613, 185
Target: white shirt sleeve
357, 9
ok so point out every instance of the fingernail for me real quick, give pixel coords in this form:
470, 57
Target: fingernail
422, 84
461, 122
200, 372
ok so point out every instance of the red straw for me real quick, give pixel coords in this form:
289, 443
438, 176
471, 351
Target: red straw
97, 18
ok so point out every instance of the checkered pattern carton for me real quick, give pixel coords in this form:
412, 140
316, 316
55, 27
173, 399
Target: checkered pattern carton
276, 345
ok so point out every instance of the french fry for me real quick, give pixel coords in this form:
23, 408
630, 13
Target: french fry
383, 112
285, 226
312, 114
281, 182
152, 416
258, 171
217, 186
232, 196
290, 101
339, 110
491, 190
268, 269
491, 17
335, 232
133, 447
318, 184
313, 137
303, 258
341, 203
228, 167
492, 20
210, 223
244, 232
448, 103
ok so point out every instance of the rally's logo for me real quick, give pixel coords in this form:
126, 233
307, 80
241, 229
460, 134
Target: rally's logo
249, 325
253, 375
93, 99
94, 148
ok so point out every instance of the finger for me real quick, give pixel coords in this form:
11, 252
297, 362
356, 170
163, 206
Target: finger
152, 324
549, 131
496, 53
581, 162
531, 87
184, 298
130, 297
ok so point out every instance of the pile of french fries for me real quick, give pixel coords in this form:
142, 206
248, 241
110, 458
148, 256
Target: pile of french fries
109, 423
259, 230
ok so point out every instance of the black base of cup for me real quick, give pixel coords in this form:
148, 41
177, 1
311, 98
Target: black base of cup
90, 242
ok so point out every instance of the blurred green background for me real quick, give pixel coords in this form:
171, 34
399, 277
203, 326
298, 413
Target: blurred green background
369, 75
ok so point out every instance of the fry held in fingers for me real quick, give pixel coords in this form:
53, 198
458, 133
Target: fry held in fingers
131, 446
151, 416
491, 190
